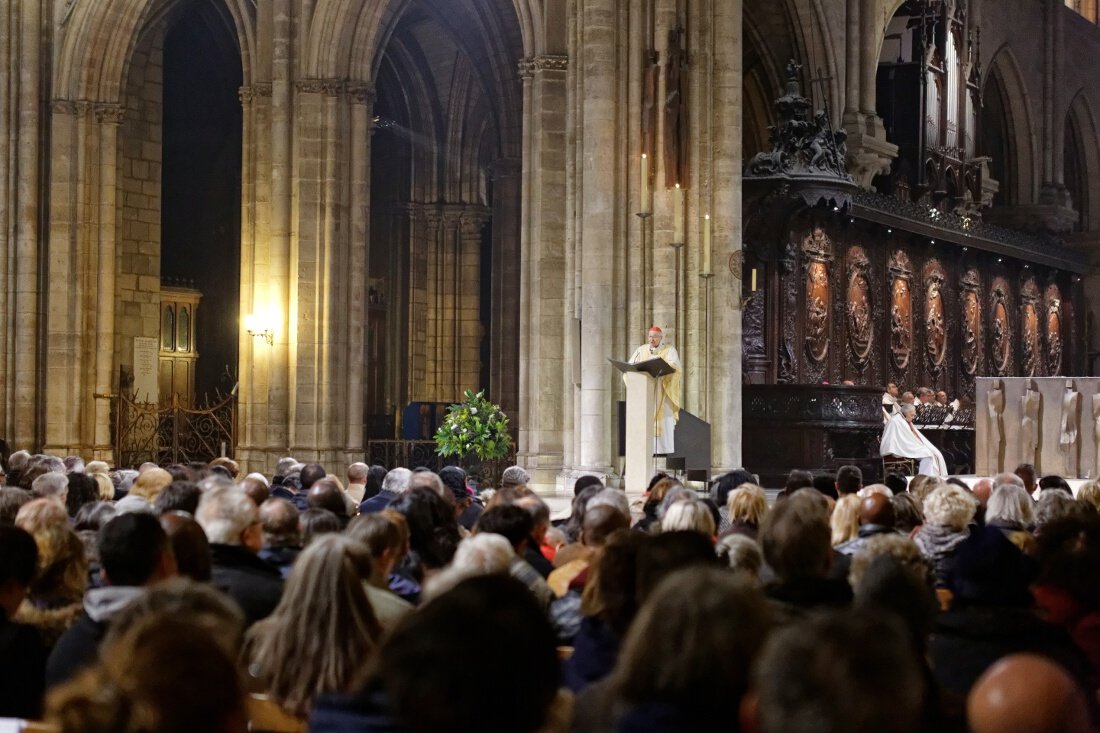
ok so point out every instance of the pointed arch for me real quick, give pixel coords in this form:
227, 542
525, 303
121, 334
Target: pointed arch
98, 40
1083, 144
1012, 113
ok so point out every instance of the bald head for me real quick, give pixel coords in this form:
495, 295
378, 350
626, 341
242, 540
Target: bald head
325, 494
877, 509
982, 490
256, 489
1026, 693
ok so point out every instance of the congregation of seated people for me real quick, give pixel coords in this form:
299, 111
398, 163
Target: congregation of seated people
172, 599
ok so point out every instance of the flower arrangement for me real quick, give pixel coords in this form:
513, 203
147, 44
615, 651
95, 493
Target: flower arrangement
475, 426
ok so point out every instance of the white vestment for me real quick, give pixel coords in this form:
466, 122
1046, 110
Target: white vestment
668, 396
889, 406
901, 439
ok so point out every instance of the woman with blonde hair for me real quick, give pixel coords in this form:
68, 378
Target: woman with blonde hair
948, 511
1089, 493
844, 522
692, 516
150, 483
55, 598
323, 630
98, 470
747, 505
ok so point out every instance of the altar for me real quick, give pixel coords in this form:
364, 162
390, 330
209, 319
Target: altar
1052, 423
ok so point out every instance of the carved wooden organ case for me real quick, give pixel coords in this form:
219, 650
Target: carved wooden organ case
843, 300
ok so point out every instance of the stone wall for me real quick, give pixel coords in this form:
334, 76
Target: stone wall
137, 296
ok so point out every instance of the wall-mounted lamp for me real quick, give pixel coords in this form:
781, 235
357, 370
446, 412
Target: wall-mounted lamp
258, 327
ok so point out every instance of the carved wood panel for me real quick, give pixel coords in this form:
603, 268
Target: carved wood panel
858, 309
935, 317
1000, 328
1030, 347
1053, 335
901, 311
817, 253
972, 336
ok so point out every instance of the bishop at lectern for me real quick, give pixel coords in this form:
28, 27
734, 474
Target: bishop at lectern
668, 389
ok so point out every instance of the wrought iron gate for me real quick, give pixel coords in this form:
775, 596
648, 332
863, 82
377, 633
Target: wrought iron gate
166, 434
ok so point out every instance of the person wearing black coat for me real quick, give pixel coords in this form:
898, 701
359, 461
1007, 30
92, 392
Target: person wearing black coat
232, 524
134, 551
22, 653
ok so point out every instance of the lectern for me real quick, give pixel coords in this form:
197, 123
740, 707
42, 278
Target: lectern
641, 405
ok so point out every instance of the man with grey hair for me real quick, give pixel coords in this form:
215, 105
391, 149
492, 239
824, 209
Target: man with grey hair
52, 485
425, 479
232, 524
357, 481
282, 468
514, 476
615, 498
395, 484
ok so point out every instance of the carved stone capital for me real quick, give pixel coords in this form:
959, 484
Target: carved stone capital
63, 107
245, 94
109, 113
546, 62
869, 154
262, 89
361, 93
328, 87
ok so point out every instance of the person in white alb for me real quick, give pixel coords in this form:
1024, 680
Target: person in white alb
668, 392
901, 439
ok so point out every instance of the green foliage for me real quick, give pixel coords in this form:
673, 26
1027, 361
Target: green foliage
475, 426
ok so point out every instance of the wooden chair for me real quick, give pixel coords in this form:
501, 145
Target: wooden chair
899, 464
266, 716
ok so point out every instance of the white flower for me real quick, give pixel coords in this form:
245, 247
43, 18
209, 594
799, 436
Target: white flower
473, 410
465, 430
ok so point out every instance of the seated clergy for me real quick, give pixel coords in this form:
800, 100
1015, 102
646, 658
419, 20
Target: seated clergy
901, 439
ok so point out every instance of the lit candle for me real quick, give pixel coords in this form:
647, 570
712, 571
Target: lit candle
754, 279
678, 215
645, 184
706, 244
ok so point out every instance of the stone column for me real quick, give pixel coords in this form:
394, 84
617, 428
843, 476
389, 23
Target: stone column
597, 212
544, 347
468, 301
869, 153
361, 99
24, 430
724, 393
108, 116
505, 292
280, 285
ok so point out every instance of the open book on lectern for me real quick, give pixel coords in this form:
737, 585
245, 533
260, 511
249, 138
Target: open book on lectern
656, 367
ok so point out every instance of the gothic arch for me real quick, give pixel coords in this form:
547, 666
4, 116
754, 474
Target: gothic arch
98, 40
1019, 131
344, 34
797, 32
1080, 120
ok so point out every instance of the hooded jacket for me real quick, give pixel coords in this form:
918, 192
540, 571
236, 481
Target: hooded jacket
79, 646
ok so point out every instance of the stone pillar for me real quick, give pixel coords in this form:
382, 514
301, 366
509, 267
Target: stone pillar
279, 284
869, 153
505, 292
25, 384
108, 117
597, 212
468, 301
361, 99
724, 393
544, 342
